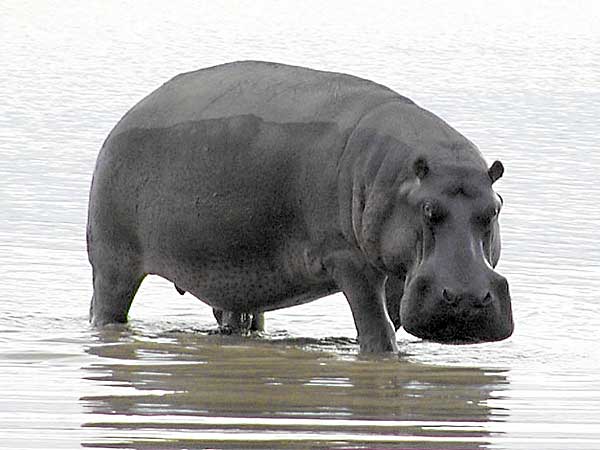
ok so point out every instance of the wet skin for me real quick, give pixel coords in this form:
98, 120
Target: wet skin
258, 186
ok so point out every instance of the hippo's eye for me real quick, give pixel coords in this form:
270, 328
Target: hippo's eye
432, 213
428, 210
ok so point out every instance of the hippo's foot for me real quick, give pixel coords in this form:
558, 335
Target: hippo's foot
231, 322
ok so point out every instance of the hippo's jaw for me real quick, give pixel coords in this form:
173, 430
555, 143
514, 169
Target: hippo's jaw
462, 330
463, 334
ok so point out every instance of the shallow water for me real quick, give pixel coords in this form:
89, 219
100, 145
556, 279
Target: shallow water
522, 82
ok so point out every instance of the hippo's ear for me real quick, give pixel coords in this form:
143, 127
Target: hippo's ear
495, 171
420, 167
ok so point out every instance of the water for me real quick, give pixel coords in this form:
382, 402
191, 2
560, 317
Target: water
520, 80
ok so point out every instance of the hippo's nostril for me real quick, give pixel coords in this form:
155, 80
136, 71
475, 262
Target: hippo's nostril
449, 298
483, 301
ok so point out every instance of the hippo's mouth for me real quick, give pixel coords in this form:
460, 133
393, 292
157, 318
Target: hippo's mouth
462, 340
462, 332
457, 339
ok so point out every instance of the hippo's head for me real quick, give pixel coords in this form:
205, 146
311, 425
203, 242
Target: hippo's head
443, 236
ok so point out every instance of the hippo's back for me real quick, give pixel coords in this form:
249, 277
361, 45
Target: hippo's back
272, 92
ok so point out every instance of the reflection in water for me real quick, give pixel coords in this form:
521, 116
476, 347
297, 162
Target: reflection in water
183, 389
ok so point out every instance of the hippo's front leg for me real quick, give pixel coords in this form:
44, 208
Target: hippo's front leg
394, 290
364, 289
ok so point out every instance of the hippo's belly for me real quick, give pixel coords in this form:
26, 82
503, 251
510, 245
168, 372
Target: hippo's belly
243, 284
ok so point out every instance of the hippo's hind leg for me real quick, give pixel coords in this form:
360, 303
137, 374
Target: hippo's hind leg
239, 322
115, 285
258, 321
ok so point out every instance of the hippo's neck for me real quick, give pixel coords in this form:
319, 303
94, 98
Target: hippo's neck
378, 160
369, 175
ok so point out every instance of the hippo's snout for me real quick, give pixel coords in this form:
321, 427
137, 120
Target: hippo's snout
476, 313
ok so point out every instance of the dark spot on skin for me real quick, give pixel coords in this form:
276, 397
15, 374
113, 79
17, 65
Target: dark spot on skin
461, 189
421, 168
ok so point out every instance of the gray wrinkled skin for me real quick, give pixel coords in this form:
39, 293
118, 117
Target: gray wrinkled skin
256, 186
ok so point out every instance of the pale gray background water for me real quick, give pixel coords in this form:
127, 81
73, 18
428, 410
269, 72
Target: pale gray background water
520, 79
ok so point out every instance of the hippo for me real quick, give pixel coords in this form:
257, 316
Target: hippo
256, 186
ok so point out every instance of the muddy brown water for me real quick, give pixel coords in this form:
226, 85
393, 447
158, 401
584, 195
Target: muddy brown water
522, 80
